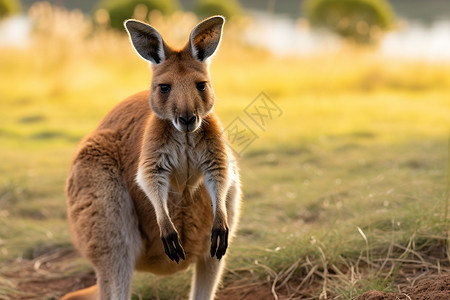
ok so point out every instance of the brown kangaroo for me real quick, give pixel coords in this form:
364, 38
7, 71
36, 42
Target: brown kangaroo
155, 187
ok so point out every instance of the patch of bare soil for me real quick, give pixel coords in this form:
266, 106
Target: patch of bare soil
49, 276
243, 290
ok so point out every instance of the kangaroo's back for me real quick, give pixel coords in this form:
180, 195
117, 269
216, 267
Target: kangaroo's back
126, 122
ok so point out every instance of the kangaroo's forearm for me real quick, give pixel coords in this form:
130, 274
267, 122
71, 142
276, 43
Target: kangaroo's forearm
217, 183
154, 181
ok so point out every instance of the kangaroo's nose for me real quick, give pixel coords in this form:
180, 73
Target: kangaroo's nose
186, 120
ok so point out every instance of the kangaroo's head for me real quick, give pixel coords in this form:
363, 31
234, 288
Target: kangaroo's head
181, 89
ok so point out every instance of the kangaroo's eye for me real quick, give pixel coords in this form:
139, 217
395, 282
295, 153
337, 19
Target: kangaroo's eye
165, 88
201, 86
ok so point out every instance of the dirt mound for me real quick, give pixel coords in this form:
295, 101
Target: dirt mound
428, 289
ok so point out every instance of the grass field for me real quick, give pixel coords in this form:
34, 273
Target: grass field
346, 191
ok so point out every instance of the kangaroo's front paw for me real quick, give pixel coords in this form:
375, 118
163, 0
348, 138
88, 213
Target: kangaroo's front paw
172, 247
221, 232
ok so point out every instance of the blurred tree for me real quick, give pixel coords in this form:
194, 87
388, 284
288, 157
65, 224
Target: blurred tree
9, 7
362, 21
207, 8
120, 10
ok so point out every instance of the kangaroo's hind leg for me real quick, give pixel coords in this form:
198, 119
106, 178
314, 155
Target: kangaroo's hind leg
103, 222
207, 273
208, 270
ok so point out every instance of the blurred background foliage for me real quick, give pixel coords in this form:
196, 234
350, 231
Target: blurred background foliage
9, 7
228, 9
361, 21
121, 10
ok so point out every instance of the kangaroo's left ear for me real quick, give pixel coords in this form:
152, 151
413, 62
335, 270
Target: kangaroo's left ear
205, 38
147, 41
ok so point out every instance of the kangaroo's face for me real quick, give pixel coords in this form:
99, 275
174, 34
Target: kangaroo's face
181, 89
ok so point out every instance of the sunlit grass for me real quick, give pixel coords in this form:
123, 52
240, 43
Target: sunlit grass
361, 142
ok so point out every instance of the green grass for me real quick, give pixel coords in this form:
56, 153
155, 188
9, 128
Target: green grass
357, 145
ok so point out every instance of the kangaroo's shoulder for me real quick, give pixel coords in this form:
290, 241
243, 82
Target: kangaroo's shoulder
133, 110
119, 133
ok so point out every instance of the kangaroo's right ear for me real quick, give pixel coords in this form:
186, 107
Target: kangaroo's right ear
205, 38
147, 42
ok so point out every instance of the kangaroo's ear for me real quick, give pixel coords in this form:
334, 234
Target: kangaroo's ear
147, 42
205, 38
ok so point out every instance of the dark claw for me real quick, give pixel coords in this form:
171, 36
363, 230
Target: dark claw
214, 235
179, 248
172, 247
166, 248
220, 251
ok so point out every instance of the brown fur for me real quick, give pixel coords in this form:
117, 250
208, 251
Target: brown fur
117, 218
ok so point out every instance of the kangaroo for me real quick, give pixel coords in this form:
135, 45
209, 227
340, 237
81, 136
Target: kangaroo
156, 187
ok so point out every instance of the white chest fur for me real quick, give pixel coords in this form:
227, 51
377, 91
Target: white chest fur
185, 161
